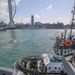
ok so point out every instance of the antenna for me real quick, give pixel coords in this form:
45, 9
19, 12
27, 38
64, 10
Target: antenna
74, 2
73, 19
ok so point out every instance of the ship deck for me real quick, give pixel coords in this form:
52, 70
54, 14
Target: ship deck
69, 64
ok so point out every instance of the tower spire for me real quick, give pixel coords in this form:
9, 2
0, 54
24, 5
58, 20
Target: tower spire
11, 14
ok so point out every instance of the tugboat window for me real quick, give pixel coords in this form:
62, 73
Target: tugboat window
55, 67
49, 67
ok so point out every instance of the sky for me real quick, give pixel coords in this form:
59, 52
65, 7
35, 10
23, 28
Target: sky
45, 11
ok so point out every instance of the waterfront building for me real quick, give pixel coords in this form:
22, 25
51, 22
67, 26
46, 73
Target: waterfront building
32, 20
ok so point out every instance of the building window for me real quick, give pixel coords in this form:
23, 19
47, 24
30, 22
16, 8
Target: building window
64, 52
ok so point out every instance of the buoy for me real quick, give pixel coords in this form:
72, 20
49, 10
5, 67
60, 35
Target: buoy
68, 43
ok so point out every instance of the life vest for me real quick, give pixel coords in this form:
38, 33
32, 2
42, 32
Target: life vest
67, 43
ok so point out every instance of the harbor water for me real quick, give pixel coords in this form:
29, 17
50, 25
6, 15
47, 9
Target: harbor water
16, 44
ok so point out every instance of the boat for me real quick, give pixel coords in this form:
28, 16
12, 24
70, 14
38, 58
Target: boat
34, 65
65, 45
38, 65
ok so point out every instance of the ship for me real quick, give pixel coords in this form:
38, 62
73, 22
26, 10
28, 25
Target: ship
38, 65
65, 45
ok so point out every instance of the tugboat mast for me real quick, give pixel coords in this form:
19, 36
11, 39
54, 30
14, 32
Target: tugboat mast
72, 22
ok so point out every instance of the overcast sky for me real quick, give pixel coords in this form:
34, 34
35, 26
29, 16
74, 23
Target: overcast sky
45, 11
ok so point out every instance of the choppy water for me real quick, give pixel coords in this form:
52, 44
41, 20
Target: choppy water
15, 44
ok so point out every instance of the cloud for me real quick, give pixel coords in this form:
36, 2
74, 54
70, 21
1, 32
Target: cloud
4, 15
49, 7
37, 16
3, 10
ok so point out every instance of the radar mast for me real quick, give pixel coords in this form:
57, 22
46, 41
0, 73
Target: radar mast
73, 20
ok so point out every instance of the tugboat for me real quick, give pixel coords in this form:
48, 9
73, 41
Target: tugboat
38, 65
65, 46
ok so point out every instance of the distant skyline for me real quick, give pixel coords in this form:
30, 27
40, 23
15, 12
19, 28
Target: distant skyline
45, 11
